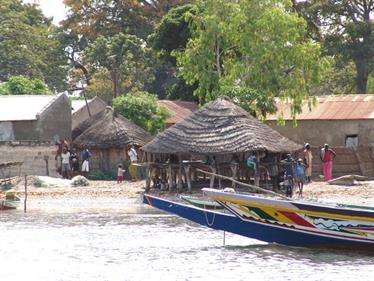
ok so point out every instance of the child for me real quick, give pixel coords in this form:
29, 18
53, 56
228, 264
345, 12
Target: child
120, 173
300, 175
288, 184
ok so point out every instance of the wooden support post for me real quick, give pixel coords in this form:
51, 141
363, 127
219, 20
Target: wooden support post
187, 169
257, 175
219, 179
211, 185
148, 178
179, 177
170, 177
234, 171
25, 201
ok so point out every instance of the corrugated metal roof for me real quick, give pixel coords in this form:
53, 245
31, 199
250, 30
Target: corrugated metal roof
343, 107
20, 108
180, 110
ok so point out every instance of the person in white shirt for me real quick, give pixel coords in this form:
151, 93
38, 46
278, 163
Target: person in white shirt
65, 156
133, 158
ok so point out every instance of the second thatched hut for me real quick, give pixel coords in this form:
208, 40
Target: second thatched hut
109, 137
222, 132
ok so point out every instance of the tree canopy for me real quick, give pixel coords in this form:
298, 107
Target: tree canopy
251, 50
143, 109
29, 46
346, 29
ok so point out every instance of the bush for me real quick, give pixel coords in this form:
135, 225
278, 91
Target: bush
38, 182
100, 175
21, 85
142, 108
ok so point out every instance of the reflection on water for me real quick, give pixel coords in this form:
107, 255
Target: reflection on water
106, 239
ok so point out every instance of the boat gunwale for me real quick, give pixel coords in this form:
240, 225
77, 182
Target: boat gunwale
365, 215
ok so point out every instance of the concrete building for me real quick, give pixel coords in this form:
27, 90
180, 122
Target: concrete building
35, 118
346, 120
81, 113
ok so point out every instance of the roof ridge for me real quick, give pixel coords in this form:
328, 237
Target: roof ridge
56, 97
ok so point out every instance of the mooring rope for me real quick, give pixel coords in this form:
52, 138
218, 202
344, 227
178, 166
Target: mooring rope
246, 184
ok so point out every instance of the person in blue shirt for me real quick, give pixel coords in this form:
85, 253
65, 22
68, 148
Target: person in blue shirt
300, 175
86, 155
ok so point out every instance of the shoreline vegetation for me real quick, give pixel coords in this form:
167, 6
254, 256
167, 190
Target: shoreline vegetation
361, 193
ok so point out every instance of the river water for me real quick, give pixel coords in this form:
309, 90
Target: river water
109, 239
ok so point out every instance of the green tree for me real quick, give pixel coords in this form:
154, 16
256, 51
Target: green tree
371, 84
21, 85
337, 80
124, 57
171, 34
346, 29
251, 50
29, 46
143, 109
173, 31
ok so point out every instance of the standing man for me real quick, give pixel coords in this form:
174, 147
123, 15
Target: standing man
327, 156
65, 156
86, 155
308, 158
134, 159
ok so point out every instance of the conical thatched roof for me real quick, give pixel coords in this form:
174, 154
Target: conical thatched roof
220, 127
108, 130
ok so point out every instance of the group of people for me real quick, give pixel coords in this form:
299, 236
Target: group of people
297, 172
133, 155
68, 162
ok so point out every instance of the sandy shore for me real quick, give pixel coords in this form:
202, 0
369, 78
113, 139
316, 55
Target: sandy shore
95, 189
362, 193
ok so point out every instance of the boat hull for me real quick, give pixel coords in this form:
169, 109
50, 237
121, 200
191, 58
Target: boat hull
256, 230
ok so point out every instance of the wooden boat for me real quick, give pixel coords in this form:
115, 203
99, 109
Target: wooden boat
280, 221
313, 224
202, 203
9, 201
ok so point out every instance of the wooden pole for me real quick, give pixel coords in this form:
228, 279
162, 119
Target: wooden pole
25, 201
148, 178
246, 184
187, 169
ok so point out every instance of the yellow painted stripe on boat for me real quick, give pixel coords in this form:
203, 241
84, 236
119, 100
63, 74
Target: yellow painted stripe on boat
360, 232
270, 211
275, 214
295, 210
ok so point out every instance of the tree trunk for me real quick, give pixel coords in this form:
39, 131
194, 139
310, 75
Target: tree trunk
362, 69
115, 80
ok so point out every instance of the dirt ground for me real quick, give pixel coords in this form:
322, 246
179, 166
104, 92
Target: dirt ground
361, 193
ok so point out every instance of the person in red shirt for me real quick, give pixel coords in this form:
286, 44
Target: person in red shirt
327, 156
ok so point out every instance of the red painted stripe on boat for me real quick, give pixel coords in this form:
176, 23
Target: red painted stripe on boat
296, 218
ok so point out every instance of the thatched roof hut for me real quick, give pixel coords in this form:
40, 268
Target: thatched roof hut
108, 130
220, 127
109, 137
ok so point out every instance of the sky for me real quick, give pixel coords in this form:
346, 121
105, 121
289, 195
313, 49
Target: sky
51, 8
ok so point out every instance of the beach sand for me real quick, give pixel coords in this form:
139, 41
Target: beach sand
362, 193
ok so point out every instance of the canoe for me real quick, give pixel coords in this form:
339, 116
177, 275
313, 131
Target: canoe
9, 201
312, 224
292, 230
